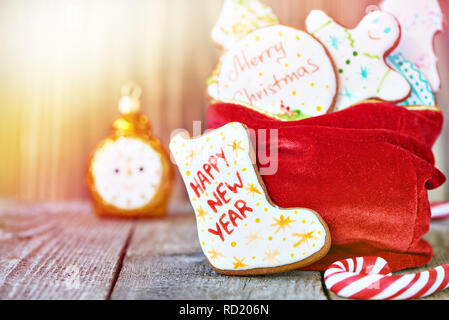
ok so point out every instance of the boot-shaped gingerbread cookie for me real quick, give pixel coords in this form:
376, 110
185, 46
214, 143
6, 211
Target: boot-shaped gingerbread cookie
240, 230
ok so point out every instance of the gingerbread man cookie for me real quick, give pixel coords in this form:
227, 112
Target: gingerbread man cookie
420, 21
359, 56
238, 18
241, 232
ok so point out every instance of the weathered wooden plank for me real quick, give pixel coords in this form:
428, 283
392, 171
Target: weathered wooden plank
438, 237
164, 261
58, 251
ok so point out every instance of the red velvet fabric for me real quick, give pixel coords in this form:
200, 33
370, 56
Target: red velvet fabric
365, 170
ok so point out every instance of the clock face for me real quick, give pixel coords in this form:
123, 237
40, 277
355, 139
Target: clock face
127, 173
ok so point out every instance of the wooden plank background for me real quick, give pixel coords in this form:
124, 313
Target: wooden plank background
62, 63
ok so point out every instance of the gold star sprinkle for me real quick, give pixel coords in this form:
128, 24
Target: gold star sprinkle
214, 254
236, 147
282, 223
190, 155
252, 189
239, 263
270, 256
305, 237
253, 238
202, 213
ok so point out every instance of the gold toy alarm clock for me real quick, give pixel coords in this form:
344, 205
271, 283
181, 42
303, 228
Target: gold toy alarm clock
130, 174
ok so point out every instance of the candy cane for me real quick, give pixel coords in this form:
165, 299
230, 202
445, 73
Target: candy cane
440, 210
371, 278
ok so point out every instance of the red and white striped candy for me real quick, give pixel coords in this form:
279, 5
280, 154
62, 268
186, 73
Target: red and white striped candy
440, 210
371, 278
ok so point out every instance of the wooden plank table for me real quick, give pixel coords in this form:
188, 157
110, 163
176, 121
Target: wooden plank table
63, 251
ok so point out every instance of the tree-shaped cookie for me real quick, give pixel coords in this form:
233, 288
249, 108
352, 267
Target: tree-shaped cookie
241, 232
238, 18
420, 21
359, 55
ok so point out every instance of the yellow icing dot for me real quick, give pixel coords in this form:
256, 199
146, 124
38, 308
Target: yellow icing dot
194, 199
257, 220
284, 239
292, 255
207, 139
183, 145
296, 211
257, 38
254, 258
303, 253
233, 244
270, 238
257, 204
327, 87
226, 86
188, 173
313, 245
221, 133
299, 55
246, 225
312, 84
318, 108
280, 34
260, 74
319, 232
266, 209
303, 221
202, 243
294, 93
298, 38
286, 64
244, 169
187, 164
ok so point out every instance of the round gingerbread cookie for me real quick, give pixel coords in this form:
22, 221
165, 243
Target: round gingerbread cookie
280, 70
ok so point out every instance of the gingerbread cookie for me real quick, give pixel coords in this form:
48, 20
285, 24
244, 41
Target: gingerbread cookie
238, 18
420, 21
281, 70
421, 92
241, 232
359, 56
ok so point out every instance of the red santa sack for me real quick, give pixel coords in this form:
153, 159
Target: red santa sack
366, 170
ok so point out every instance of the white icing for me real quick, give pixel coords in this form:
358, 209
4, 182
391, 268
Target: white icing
276, 67
127, 173
257, 240
238, 18
359, 56
420, 20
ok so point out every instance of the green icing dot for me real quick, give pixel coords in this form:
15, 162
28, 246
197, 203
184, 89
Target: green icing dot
340, 70
348, 61
355, 53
